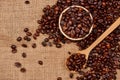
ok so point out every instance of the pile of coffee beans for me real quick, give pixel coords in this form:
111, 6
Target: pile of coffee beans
76, 22
75, 62
103, 60
104, 14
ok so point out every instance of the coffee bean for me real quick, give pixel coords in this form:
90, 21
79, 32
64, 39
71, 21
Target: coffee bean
18, 64
50, 44
24, 55
71, 75
34, 45
44, 44
36, 34
59, 78
40, 62
23, 70
46, 39
14, 50
26, 30
39, 21
34, 37
28, 33
58, 45
13, 46
19, 39
27, 2
24, 45
28, 39
69, 53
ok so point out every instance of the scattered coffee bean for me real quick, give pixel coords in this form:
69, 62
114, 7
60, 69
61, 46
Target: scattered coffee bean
19, 39
50, 44
24, 55
71, 75
37, 34
46, 39
24, 45
28, 39
14, 51
18, 64
39, 21
34, 37
58, 45
13, 46
34, 45
27, 2
23, 70
40, 62
44, 43
69, 53
28, 33
59, 78
26, 30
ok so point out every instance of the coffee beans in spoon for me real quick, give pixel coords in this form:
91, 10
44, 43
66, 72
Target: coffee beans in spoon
76, 22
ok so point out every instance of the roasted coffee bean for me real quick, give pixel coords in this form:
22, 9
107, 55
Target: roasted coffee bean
59, 78
36, 34
14, 50
24, 55
34, 45
44, 43
39, 21
58, 45
71, 75
50, 44
40, 62
24, 45
26, 30
28, 39
19, 39
18, 64
28, 33
46, 39
13, 46
69, 53
34, 37
27, 2
23, 70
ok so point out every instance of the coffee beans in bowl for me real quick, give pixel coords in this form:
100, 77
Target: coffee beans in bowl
75, 22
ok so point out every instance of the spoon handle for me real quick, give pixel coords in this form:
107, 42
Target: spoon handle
105, 34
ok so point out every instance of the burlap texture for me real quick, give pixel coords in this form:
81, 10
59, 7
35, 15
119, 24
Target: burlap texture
15, 15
